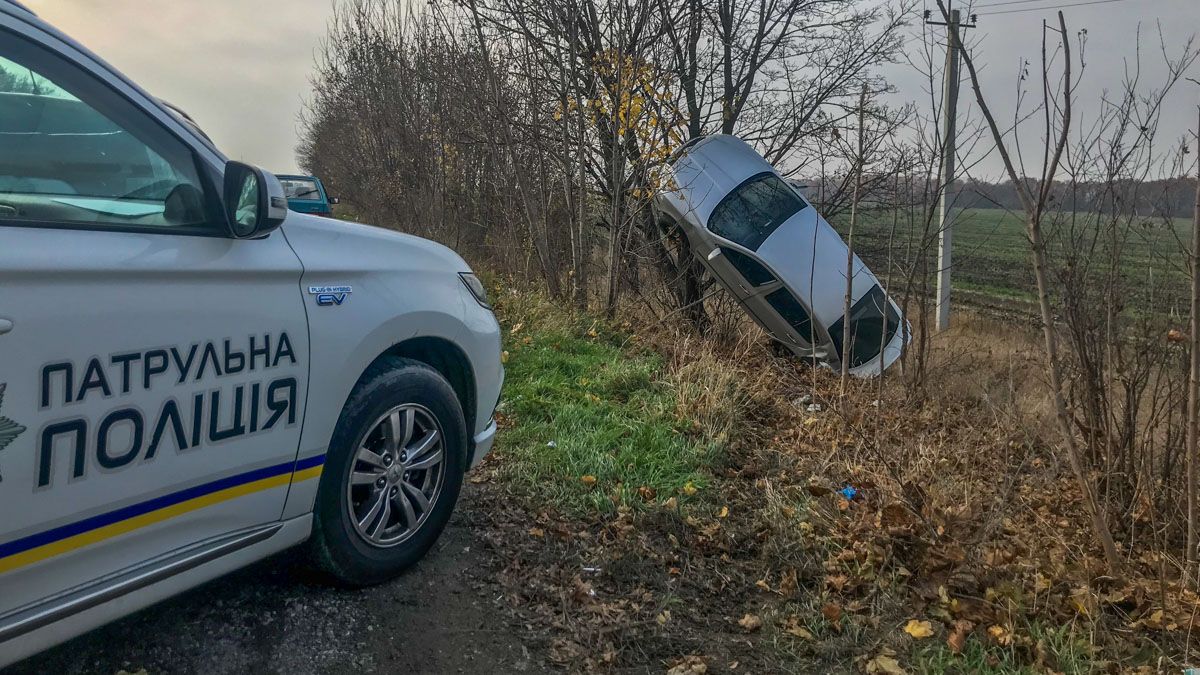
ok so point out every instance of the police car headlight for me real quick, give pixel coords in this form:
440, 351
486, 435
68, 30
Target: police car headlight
476, 287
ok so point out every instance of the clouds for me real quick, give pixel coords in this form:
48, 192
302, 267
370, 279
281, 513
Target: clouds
240, 68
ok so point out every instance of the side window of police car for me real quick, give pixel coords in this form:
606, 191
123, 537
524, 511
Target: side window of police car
75, 153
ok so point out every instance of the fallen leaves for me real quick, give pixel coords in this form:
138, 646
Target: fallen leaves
582, 591
918, 629
1001, 635
958, 636
832, 612
688, 665
885, 663
793, 626
750, 622
789, 583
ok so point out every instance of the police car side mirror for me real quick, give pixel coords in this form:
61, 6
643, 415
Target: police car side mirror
254, 201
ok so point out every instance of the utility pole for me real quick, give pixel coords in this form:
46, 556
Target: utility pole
1193, 401
949, 115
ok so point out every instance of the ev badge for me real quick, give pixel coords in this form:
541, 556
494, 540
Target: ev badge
331, 295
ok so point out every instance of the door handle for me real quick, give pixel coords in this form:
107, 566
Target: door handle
5, 326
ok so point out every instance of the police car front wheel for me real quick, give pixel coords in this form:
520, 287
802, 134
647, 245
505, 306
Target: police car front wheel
393, 473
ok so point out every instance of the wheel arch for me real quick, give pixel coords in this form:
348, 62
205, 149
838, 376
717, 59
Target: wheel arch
448, 359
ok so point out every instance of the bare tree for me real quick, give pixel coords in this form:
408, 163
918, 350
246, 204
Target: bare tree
1035, 199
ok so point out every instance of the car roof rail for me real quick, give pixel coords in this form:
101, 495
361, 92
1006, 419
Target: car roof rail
19, 6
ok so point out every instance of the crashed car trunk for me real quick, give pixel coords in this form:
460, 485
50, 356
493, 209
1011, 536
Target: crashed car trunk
780, 259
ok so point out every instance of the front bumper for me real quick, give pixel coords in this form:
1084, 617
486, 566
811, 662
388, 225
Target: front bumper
481, 445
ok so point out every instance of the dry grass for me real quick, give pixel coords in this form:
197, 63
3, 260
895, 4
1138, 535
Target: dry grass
963, 514
960, 495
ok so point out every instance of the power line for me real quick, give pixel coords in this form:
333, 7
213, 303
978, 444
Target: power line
1043, 9
1006, 2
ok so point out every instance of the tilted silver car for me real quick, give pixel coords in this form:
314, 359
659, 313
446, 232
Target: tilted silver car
763, 241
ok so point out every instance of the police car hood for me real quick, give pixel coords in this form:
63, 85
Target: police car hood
810, 257
328, 244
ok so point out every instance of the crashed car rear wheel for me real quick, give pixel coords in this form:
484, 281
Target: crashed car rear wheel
393, 474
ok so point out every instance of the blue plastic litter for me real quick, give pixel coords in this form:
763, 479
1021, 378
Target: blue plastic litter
848, 492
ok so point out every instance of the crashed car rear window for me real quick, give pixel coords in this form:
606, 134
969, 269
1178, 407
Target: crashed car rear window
749, 214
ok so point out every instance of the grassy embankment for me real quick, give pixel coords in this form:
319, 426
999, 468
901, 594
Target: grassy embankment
594, 421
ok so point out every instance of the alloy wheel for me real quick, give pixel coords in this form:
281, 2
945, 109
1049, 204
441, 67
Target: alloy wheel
396, 475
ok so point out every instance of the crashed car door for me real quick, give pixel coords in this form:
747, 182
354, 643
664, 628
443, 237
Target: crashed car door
743, 220
152, 369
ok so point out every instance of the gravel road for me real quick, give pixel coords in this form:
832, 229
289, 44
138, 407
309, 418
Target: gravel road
444, 616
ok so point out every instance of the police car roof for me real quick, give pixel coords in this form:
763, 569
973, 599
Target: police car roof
17, 5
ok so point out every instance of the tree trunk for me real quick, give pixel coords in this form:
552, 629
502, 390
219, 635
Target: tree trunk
859, 161
1086, 485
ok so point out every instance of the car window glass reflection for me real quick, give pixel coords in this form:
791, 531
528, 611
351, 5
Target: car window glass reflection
247, 205
61, 159
749, 214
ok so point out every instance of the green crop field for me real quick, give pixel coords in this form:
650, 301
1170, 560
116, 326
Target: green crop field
991, 253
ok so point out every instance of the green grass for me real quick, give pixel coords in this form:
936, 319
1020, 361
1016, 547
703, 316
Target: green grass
1060, 649
584, 404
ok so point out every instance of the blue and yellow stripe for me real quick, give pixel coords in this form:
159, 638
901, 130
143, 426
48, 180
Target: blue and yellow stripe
72, 536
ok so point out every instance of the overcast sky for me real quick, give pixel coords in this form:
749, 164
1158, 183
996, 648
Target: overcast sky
241, 67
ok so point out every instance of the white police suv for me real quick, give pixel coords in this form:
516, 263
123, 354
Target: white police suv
193, 378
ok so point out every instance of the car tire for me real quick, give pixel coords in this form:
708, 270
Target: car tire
350, 544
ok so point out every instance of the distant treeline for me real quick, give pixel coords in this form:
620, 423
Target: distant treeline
1163, 198
1169, 197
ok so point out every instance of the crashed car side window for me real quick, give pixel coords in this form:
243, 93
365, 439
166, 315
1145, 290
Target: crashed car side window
755, 209
750, 269
792, 312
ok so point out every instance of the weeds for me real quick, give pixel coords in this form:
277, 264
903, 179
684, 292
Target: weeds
702, 489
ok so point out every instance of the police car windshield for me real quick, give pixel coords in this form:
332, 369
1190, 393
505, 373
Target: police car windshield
754, 210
